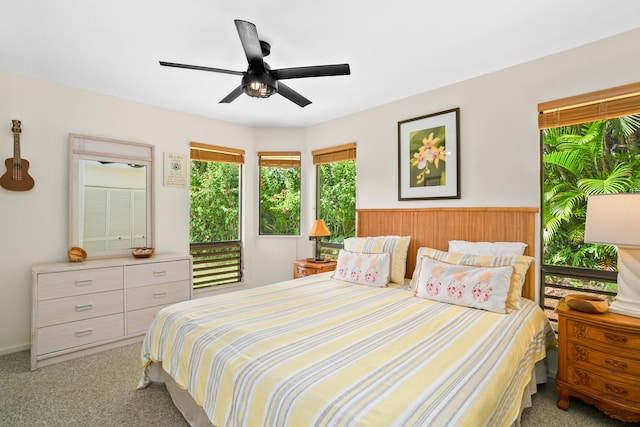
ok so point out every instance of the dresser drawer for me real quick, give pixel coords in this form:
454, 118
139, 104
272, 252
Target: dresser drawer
62, 310
138, 321
159, 272
598, 335
150, 296
628, 390
81, 332
606, 361
78, 282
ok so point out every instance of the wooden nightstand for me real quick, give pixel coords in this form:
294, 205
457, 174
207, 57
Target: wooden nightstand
307, 267
599, 361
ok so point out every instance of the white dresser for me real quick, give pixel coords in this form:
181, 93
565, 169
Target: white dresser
83, 308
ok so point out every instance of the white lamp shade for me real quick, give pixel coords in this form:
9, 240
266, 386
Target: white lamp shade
613, 219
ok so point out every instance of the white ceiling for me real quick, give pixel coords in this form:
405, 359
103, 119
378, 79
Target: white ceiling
395, 49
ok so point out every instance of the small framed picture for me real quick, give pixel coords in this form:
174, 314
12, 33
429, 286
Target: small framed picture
176, 170
428, 159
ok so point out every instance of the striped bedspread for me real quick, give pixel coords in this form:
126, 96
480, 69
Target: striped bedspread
322, 352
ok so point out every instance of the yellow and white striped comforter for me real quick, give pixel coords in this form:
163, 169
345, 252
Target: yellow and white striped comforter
322, 352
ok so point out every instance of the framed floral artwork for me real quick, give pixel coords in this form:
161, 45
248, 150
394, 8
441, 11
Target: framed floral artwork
428, 160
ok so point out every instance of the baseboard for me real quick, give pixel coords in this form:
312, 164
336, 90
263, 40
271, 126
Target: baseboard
14, 349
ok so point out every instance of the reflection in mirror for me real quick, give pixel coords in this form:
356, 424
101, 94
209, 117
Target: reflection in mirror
113, 204
110, 196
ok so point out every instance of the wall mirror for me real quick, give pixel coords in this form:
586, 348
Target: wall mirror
110, 195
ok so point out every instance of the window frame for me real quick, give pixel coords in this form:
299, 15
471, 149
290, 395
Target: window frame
589, 107
339, 153
279, 159
227, 254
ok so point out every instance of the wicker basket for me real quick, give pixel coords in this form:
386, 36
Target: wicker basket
142, 252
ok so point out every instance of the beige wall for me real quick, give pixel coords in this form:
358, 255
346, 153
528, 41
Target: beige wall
498, 152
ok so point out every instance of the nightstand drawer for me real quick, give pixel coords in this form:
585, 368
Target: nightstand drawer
628, 391
587, 333
70, 309
300, 271
306, 267
608, 362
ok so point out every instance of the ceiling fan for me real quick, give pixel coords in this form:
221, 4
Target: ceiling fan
260, 80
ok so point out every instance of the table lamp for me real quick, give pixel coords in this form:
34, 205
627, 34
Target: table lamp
319, 230
615, 219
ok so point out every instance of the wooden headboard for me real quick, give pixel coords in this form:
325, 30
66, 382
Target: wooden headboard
434, 227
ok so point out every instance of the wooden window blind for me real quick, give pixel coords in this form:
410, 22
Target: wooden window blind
334, 154
214, 153
282, 159
600, 105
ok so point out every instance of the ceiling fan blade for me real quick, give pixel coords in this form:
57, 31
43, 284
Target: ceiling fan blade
233, 95
292, 95
251, 44
201, 68
311, 71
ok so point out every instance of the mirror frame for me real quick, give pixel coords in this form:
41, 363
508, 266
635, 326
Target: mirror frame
83, 147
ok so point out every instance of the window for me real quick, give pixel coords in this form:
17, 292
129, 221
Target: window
336, 194
214, 232
590, 145
279, 200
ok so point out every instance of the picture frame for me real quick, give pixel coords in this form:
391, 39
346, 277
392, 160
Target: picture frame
428, 156
176, 170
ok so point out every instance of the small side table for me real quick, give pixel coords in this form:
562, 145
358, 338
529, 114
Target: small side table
599, 361
307, 267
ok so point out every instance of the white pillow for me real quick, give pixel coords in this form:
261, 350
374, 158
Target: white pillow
486, 288
363, 268
487, 248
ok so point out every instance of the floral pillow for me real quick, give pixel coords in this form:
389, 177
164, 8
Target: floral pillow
520, 266
397, 246
477, 287
363, 268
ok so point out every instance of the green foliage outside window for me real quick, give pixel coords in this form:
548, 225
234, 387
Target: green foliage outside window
215, 203
279, 200
337, 199
599, 157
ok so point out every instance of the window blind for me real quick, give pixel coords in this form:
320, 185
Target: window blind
600, 105
282, 159
334, 154
214, 153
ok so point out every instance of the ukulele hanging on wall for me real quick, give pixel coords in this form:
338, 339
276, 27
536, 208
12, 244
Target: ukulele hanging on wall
17, 177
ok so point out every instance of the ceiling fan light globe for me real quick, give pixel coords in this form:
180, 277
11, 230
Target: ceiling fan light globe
259, 85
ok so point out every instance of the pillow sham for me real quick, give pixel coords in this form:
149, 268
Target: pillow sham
520, 266
485, 288
363, 268
487, 248
397, 246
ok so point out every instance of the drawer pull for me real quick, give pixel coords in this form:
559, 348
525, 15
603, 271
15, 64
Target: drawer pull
616, 339
84, 332
159, 294
616, 365
84, 307
159, 273
615, 390
83, 282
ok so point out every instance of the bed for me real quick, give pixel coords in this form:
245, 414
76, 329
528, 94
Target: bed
326, 351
